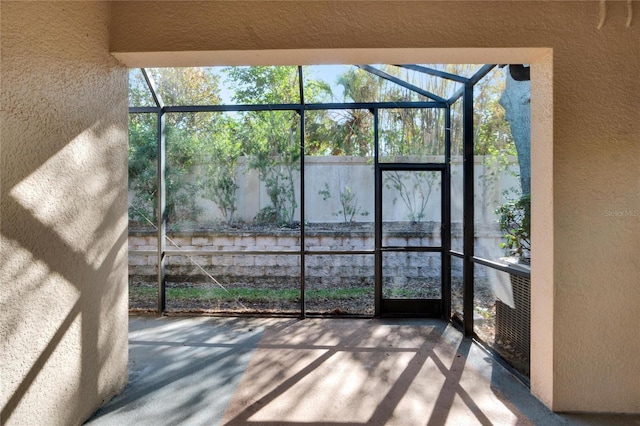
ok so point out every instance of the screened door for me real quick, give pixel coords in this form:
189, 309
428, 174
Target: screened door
410, 244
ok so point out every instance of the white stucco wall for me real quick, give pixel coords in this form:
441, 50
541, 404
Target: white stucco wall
585, 141
63, 258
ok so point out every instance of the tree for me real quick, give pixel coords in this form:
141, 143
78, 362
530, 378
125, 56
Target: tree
271, 139
221, 151
143, 167
271, 142
515, 214
516, 101
185, 135
341, 132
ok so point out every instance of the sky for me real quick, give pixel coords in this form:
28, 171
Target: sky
328, 74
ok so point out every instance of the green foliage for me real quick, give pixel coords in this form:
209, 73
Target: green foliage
181, 194
143, 167
143, 157
492, 136
178, 86
220, 161
340, 133
415, 133
514, 218
412, 134
409, 135
270, 139
264, 85
349, 202
184, 135
267, 215
344, 132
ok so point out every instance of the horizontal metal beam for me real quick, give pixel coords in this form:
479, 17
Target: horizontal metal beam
144, 110
409, 249
338, 252
438, 102
413, 167
379, 105
492, 264
298, 107
402, 83
233, 108
435, 73
179, 252
143, 252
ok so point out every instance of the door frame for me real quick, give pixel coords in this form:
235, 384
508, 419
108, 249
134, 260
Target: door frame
432, 308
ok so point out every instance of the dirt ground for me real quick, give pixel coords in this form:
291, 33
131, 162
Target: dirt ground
362, 305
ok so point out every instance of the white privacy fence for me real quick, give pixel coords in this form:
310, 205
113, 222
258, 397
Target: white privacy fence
329, 177
342, 188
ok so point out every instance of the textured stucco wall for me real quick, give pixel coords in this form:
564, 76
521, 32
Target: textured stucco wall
63, 258
586, 295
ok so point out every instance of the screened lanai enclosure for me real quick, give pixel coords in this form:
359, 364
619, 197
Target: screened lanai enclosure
346, 190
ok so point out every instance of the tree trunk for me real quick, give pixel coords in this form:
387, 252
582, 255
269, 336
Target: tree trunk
516, 101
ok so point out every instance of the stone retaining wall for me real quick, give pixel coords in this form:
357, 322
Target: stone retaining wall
284, 269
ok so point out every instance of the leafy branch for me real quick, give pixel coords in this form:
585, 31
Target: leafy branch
414, 190
348, 201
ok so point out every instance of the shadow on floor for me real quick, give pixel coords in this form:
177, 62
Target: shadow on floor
181, 370
266, 371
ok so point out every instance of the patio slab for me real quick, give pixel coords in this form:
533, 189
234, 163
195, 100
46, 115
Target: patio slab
285, 371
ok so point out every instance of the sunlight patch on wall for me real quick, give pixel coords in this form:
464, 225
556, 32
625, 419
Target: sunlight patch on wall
74, 171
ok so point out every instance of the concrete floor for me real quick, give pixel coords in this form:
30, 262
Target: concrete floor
269, 371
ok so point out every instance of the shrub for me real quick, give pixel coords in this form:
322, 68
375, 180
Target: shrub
514, 218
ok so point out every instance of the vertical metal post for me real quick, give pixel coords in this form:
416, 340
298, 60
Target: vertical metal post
377, 216
446, 218
161, 216
468, 228
302, 197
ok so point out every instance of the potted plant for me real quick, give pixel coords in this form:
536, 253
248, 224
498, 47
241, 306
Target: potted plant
513, 319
